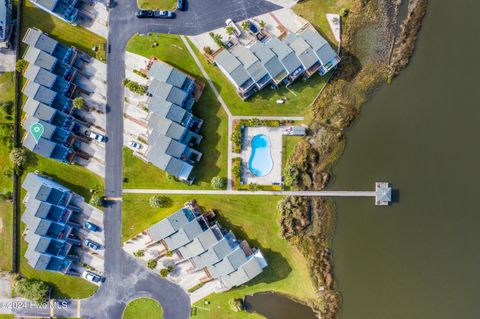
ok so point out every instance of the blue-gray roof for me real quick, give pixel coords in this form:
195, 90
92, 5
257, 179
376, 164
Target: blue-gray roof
231, 65
39, 93
165, 73
35, 38
40, 111
5, 19
40, 58
166, 109
40, 76
167, 92
303, 50
165, 127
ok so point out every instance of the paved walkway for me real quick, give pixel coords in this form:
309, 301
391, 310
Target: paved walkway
263, 193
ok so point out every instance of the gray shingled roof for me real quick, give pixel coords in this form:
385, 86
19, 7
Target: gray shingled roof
270, 61
167, 92
228, 264
37, 39
313, 38
199, 245
250, 62
39, 110
40, 58
303, 50
166, 109
5, 19
246, 272
37, 92
166, 73
165, 126
233, 67
40, 76
43, 147
48, 4
162, 144
48, 129
285, 54
168, 225
184, 235
217, 252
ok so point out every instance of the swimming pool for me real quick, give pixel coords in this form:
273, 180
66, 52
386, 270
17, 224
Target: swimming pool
260, 162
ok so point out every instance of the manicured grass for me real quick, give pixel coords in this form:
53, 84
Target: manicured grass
143, 308
214, 130
66, 33
5, 236
299, 96
157, 4
6, 87
254, 218
7, 316
315, 11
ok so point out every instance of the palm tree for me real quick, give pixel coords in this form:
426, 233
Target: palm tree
229, 30
263, 24
246, 25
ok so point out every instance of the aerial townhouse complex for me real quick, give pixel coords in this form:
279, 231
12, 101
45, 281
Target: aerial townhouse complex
65, 10
53, 80
53, 215
201, 241
172, 128
275, 61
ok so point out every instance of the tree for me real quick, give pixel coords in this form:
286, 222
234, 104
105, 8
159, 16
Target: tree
344, 12
246, 25
79, 102
262, 24
158, 201
230, 30
219, 182
164, 272
151, 264
291, 173
18, 156
21, 65
96, 200
33, 289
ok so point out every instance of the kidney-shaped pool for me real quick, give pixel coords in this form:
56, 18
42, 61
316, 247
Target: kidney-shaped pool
260, 162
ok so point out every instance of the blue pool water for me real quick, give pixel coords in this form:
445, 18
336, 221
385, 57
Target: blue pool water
260, 162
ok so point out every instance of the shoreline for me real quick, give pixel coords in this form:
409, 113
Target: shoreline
363, 70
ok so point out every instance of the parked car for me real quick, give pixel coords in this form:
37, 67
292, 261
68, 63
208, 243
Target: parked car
95, 136
91, 226
154, 14
180, 4
134, 145
93, 277
236, 30
91, 244
253, 28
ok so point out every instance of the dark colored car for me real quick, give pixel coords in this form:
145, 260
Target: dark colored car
253, 28
91, 226
180, 4
142, 14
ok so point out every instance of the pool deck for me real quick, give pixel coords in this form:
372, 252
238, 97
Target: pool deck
275, 135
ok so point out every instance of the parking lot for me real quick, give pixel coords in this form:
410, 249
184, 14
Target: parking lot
94, 16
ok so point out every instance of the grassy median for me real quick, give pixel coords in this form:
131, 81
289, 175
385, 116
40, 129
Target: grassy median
143, 308
157, 4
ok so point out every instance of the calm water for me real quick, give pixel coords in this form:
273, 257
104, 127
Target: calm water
275, 306
419, 258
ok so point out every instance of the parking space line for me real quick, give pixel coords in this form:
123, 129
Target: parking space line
52, 308
78, 308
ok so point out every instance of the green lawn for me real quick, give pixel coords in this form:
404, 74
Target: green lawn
66, 33
5, 236
288, 147
254, 218
145, 308
299, 96
315, 11
214, 130
157, 4
6, 87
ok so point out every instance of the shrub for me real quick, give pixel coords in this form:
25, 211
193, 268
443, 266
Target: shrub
252, 187
79, 102
137, 72
169, 253
344, 12
219, 182
246, 25
218, 39
158, 201
291, 173
96, 200
207, 50
262, 24
32, 289
230, 30
134, 86
237, 168
236, 139
7, 107
139, 253
164, 272
152, 263
18, 156
21, 65
237, 304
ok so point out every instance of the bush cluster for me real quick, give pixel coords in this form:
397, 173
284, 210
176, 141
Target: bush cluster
32, 289
294, 216
134, 86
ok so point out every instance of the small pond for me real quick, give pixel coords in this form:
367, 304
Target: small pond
276, 306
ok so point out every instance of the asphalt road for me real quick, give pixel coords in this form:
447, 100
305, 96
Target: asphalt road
127, 279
